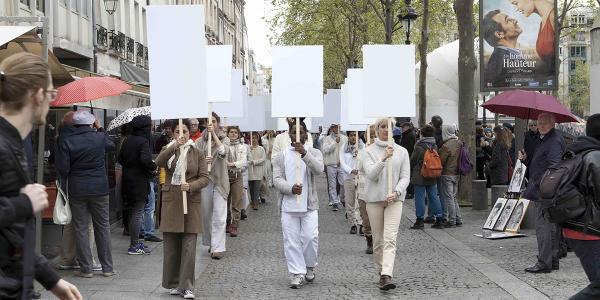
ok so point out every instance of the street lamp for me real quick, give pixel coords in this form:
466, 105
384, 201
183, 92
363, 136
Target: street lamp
406, 19
110, 6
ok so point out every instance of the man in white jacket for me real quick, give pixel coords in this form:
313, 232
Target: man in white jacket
299, 207
348, 162
283, 140
331, 158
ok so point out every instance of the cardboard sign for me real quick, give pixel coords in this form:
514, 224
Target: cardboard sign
356, 99
389, 81
297, 84
178, 81
218, 70
233, 108
332, 108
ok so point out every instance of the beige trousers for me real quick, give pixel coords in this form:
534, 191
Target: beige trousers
68, 248
179, 261
385, 221
234, 201
364, 217
352, 206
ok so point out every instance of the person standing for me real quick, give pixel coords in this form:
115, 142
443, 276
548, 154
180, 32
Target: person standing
425, 186
362, 192
214, 195
384, 208
437, 122
237, 160
81, 164
165, 137
138, 170
480, 153
25, 91
299, 206
256, 170
195, 132
348, 157
409, 139
500, 160
449, 156
331, 157
532, 141
548, 153
186, 173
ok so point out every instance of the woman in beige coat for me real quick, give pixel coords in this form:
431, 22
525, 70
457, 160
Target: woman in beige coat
181, 230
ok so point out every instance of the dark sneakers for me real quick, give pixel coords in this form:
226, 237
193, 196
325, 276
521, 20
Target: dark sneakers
438, 224
153, 238
419, 224
353, 229
385, 283
429, 220
539, 267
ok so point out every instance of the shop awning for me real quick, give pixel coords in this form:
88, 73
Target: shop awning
134, 74
15, 39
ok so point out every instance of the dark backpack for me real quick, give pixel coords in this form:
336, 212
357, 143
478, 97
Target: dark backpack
465, 166
560, 189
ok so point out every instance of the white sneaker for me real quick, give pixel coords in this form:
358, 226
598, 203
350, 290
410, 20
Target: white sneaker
175, 292
187, 294
310, 274
297, 281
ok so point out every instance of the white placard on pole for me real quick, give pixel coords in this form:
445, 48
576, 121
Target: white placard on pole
233, 108
178, 81
218, 70
355, 96
270, 122
332, 107
241, 121
389, 78
297, 83
255, 115
345, 126
282, 124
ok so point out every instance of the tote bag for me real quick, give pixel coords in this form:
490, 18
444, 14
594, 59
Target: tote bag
62, 211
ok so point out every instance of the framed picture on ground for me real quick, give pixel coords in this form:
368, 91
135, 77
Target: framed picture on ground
514, 223
494, 214
505, 215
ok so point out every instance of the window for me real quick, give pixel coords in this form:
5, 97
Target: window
578, 20
573, 64
84, 8
580, 36
26, 2
578, 51
40, 5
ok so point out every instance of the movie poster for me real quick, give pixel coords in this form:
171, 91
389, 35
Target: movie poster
518, 45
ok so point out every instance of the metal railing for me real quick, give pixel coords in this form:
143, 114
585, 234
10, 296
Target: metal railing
139, 54
130, 49
101, 37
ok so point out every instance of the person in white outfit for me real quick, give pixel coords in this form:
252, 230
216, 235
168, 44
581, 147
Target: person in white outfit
331, 157
283, 141
214, 195
299, 206
385, 208
348, 164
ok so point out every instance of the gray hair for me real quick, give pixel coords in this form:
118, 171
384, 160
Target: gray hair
548, 117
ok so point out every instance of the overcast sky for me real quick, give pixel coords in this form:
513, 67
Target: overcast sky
258, 30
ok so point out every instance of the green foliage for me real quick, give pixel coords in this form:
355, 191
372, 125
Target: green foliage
579, 89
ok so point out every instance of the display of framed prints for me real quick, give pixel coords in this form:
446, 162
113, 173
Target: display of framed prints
505, 215
517, 179
494, 214
514, 223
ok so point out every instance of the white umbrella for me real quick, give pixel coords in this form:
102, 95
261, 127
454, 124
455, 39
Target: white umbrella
127, 116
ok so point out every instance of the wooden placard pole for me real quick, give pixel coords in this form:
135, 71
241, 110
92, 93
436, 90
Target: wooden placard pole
298, 157
337, 146
209, 166
356, 160
183, 193
389, 161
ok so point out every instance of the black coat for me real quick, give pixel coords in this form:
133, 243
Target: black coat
498, 165
136, 159
81, 159
409, 139
532, 141
15, 210
548, 153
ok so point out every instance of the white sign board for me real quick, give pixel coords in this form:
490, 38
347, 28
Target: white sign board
255, 117
218, 73
241, 121
233, 108
332, 108
270, 122
297, 83
282, 124
344, 125
389, 80
356, 98
178, 81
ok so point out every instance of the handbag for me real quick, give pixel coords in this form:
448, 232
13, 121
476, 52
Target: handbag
62, 211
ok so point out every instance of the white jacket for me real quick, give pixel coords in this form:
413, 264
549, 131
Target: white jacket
331, 149
283, 141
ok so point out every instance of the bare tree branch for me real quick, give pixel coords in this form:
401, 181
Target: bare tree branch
379, 15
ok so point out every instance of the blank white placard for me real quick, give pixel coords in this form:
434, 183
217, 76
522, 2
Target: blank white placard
345, 126
282, 124
255, 118
218, 73
331, 107
270, 122
178, 80
241, 121
356, 99
297, 84
233, 108
389, 80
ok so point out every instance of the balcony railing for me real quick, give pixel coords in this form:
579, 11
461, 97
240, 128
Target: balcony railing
139, 54
130, 49
101, 37
146, 58
117, 43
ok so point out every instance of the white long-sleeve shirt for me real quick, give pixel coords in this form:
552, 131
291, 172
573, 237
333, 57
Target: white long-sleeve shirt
348, 161
331, 149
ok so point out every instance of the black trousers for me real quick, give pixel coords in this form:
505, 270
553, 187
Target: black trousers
589, 256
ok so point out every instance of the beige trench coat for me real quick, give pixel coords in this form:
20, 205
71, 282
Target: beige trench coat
172, 217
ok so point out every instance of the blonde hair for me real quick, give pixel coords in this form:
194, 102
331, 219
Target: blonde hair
21, 74
379, 122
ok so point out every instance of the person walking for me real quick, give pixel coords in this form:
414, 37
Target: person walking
331, 157
299, 206
214, 195
187, 173
548, 153
384, 208
348, 157
500, 162
422, 185
282, 141
138, 170
449, 154
362, 192
237, 160
25, 91
81, 164
256, 170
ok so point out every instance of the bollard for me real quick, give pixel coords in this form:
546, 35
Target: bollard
498, 191
480, 195
530, 216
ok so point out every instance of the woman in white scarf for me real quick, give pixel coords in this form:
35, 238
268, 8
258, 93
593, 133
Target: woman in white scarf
348, 164
237, 160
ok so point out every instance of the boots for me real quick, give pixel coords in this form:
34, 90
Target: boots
439, 224
369, 244
419, 224
353, 229
233, 230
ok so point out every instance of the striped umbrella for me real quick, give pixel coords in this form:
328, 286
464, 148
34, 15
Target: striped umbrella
89, 88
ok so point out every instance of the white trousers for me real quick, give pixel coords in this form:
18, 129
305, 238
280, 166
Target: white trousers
335, 175
245, 197
352, 205
214, 214
300, 240
385, 221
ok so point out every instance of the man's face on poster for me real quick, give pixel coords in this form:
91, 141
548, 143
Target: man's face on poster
510, 27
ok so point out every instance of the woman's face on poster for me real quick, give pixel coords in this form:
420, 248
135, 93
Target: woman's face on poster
525, 7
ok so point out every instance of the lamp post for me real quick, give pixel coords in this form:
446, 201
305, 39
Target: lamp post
110, 6
407, 19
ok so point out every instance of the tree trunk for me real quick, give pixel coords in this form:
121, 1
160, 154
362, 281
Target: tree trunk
423, 47
389, 22
466, 86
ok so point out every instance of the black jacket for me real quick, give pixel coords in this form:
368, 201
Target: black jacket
15, 210
81, 159
409, 139
498, 165
590, 179
532, 141
136, 159
548, 153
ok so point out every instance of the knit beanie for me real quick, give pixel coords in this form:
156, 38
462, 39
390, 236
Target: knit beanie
592, 128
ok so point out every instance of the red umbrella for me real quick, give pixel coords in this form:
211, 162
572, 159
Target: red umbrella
89, 88
528, 105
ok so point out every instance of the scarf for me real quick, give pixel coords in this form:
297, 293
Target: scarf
181, 165
351, 148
